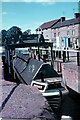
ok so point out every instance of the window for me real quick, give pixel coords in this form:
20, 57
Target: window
67, 32
73, 32
46, 35
54, 34
58, 33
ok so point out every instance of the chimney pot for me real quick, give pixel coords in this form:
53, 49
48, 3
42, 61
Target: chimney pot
62, 19
77, 15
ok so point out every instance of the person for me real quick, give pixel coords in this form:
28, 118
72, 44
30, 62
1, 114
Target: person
41, 39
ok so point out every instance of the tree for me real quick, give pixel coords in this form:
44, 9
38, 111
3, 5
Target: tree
14, 35
3, 36
26, 33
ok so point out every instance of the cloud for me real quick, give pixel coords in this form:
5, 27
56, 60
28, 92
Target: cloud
51, 1
46, 1
3, 13
27, 0
6, 0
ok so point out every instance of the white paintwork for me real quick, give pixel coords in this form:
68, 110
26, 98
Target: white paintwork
50, 94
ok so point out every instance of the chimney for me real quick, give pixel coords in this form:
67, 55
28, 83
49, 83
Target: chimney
62, 19
77, 15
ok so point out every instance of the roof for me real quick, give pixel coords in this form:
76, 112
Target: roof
29, 37
49, 24
67, 22
28, 69
23, 45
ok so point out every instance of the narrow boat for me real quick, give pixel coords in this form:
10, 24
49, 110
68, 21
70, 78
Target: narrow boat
53, 90
42, 75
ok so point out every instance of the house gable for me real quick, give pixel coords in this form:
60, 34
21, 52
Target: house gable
67, 23
48, 25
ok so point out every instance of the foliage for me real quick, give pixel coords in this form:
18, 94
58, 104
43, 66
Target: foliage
3, 36
26, 33
14, 35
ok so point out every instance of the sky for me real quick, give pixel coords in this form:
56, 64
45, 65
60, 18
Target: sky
30, 15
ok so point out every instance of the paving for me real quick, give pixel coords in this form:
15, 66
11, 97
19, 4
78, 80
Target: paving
24, 102
19, 101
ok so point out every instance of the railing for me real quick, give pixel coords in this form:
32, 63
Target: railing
65, 56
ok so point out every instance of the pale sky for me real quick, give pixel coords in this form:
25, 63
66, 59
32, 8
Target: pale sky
30, 15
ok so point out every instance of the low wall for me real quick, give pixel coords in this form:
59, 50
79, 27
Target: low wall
71, 76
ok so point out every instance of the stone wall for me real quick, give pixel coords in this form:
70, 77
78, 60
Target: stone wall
71, 76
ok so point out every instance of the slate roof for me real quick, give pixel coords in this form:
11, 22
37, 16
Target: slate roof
67, 23
48, 24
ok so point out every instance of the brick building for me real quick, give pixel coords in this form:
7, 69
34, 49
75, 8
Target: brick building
47, 29
63, 32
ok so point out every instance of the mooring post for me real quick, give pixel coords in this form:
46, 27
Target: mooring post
64, 56
68, 55
78, 58
52, 61
54, 54
9, 61
38, 53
